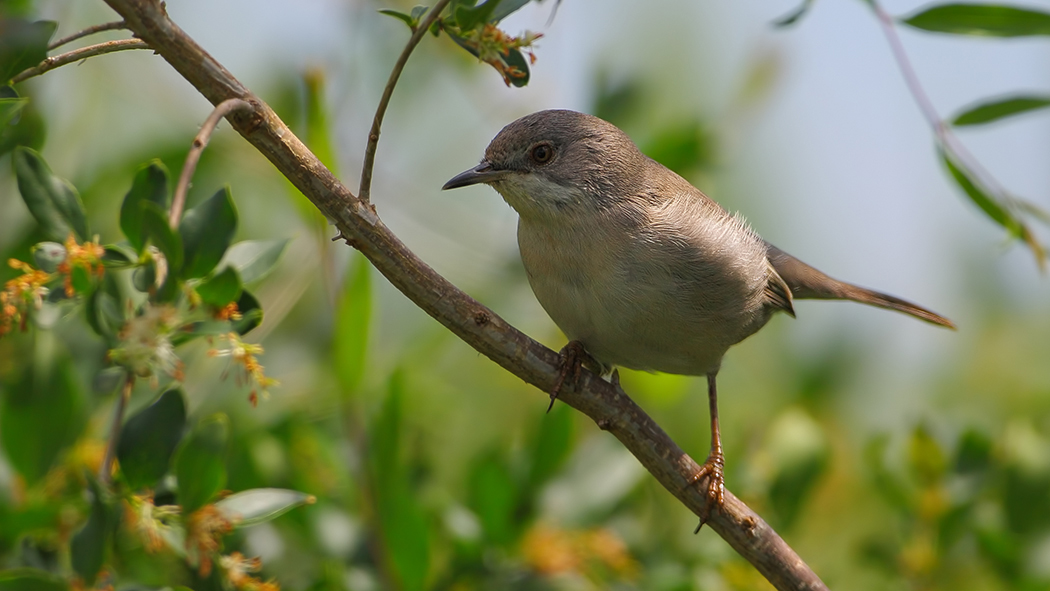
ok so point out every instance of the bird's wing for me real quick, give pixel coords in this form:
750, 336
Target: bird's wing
778, 293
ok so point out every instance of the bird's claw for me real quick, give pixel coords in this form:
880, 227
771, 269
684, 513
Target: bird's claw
712, 471
571, 359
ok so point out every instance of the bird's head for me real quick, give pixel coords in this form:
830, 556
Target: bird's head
552, 162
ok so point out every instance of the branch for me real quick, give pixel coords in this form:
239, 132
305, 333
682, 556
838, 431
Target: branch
88, 31
364, 193
475, 324
76, 55
949, 142
221, 110
106, 469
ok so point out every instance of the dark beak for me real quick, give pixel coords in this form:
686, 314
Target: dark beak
482, 173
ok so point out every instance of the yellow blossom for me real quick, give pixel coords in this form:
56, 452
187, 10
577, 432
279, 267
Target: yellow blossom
88, 256
552, 551
244, 354
237, 567
145, 347
493, 46
21, 294
204, 531
228, 312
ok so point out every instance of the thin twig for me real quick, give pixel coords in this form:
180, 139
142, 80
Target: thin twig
178, 202
948, 141
942, 131
364, 193
472, 322
88, 31
106, 469
76, 55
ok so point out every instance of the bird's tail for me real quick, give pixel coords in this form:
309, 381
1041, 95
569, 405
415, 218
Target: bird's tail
806, 282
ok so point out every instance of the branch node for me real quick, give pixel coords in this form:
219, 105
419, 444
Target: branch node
481, 318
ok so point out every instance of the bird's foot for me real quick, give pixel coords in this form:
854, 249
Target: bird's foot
712, 472
571, 359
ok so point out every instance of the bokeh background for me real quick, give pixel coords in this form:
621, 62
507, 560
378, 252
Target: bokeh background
890, 454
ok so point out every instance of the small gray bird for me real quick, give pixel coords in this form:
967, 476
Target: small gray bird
637, 266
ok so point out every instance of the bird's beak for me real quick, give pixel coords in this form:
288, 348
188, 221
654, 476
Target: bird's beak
482, 173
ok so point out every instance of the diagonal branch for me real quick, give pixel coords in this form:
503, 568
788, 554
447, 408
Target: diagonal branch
475, 324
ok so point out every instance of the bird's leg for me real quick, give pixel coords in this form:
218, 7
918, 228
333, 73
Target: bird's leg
712, 468
571, 359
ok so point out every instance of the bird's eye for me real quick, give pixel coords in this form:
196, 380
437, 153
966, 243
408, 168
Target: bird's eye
542, 153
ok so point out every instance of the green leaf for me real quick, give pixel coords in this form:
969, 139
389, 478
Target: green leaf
981, 19
251, 313
42, 412
888, 484
259, 505
31, 579
999, 108
254, 259
318, 129
80, 278
157, 232
144, 278
794, 16
353, 314
385, 434
52, 200
401, 519
926, 457
516, 59
200, 464
89, 546
104, 313
149, 438
10, 108
551, 445
150, 185
974, 452
23, 125
206, 232
981, 198
470, 18
119, 256
220, 289
994, 209
683, 147
493, 497
406, 18
506, 8
797, 447
23, 44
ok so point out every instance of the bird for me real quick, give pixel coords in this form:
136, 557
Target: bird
635, 265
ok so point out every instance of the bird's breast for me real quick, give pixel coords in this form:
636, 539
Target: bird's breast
634, 301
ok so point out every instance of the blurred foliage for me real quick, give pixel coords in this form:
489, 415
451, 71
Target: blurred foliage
420, 469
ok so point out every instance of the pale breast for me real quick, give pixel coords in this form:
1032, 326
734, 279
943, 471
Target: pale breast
648, 293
